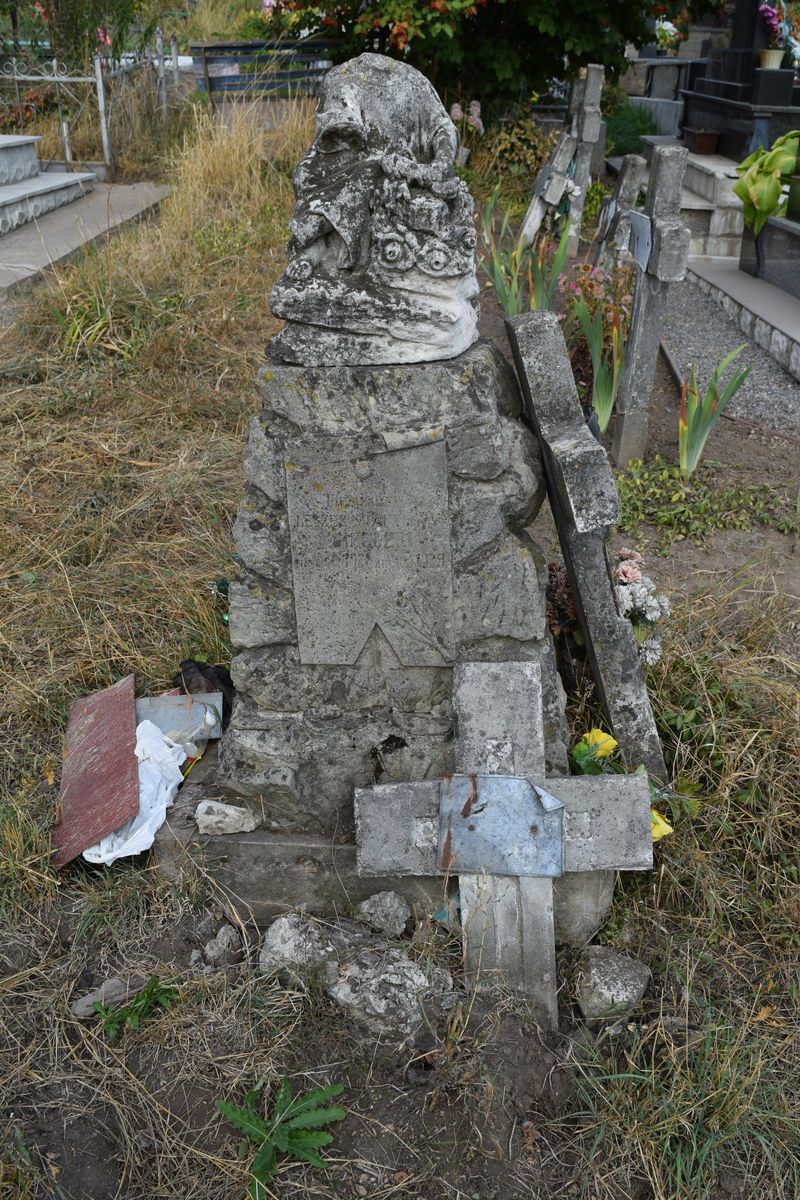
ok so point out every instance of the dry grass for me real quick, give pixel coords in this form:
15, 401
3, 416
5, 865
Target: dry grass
719, 922
126, 389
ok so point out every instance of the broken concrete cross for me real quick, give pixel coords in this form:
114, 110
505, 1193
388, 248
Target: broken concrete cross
586, 124
507, 836
614, 226
664, 250
584, 501
549, 186
569, 165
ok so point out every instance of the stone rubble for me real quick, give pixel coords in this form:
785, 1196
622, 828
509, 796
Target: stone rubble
387, 912
224, 950
379, 986
214, 817
611, 984
113, 992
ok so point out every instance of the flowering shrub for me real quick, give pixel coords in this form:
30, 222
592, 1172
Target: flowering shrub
469, 124
640, 603
516, 148
781, 22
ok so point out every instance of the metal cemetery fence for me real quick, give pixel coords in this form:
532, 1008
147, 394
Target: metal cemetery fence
119, 90
280, 68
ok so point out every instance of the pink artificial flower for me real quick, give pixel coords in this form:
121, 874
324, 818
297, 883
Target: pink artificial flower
474, 108
267, 6
630, 555
103, 37
456, 112
475, 122
628, 573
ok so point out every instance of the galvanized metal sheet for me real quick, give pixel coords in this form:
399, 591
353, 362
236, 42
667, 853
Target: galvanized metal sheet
100, 776
607, 213
183, 714
500, 824
641, 239
606, 825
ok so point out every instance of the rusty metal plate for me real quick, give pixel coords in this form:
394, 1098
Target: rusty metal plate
100, 777
500, 824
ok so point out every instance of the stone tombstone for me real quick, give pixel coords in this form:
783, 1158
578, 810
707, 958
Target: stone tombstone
389, 478
381, 261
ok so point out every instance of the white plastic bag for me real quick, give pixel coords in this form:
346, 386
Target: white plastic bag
159, 779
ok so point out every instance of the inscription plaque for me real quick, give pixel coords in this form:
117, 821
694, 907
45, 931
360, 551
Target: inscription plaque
370, 543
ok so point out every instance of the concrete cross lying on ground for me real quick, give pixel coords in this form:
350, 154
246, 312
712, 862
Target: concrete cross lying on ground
570, 162
505, 829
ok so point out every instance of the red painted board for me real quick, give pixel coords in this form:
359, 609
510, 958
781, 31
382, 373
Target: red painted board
99, 778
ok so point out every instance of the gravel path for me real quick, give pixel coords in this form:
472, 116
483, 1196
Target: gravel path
696, 331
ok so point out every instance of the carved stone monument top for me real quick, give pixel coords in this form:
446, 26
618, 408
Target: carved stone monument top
382, 255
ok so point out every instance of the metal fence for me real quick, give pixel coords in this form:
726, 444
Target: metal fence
117, 89
249, 69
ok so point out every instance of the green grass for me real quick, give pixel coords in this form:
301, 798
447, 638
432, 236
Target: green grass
654, 493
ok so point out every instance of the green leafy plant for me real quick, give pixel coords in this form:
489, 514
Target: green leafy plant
626, 128
294, 1128
762, 177
596, 193
516, 149
697, 417
655, 492
155, 997
523, 277
606, 360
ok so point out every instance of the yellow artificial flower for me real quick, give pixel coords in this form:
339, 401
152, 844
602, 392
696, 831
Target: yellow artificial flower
659, 827
601, 743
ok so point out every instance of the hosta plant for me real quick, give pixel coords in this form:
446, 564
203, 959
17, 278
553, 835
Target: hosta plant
762, 178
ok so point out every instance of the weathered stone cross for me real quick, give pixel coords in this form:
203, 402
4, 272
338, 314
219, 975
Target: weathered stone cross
505, 829
659, 244
570, 162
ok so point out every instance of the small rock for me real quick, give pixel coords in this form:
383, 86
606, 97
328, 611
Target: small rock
225, 949
387, 912
384, 991
295, 941
112, 993
611, 985
213, 816
196, 958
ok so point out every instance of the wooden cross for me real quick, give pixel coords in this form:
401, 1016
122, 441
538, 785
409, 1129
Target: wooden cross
489, 827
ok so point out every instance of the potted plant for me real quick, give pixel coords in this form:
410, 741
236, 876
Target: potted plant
772, 57
667, 37
701, 141
763, 176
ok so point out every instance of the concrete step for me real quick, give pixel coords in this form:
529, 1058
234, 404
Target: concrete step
18, 159
30, 251
711, 176
31, 198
